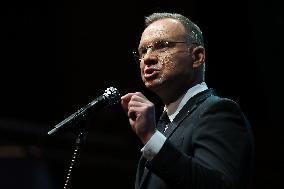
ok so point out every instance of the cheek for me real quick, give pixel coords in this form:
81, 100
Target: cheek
141, 69
173, 66
168, 64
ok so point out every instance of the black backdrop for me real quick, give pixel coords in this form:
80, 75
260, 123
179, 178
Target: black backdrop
58, 56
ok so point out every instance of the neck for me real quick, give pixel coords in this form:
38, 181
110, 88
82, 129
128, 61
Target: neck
169, 95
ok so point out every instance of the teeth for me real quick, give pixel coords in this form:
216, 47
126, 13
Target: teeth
147, 75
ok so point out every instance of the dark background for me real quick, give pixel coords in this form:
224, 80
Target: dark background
58, 56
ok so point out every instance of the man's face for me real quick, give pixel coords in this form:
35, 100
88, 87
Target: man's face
165, 66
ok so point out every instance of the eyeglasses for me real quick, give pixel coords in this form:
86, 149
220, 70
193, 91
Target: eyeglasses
158, 47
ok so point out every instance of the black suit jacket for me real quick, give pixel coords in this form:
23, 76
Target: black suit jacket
209, 145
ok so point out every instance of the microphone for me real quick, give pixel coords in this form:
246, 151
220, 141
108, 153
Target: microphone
111, 96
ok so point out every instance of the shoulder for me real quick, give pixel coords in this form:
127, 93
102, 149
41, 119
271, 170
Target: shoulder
223, 115
215, 103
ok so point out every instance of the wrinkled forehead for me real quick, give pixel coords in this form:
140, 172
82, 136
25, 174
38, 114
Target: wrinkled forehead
168, 29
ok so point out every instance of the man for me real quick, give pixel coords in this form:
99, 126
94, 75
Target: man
208, 142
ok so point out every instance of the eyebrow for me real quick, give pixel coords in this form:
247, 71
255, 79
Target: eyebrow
156, 40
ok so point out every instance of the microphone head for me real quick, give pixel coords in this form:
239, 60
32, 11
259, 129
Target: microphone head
112, 95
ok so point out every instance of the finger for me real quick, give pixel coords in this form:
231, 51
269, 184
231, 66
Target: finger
125, 100
133, 103
127, 97
132, 113
139, 97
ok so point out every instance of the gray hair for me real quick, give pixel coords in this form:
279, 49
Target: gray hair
194, 33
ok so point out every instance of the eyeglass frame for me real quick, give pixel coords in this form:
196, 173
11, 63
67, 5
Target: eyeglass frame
155, 46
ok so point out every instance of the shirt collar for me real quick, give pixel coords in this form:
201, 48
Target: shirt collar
174, 107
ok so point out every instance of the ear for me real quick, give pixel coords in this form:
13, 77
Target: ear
198, 56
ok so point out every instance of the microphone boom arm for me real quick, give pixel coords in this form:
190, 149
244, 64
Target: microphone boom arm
110, 97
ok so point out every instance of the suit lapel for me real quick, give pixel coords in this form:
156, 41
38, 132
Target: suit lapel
188, 108
142, 172
145, 174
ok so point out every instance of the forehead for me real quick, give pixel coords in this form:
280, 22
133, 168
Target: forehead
163, 29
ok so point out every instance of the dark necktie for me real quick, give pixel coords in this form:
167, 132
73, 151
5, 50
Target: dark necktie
163, 122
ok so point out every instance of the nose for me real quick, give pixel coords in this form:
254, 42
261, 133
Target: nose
150, 58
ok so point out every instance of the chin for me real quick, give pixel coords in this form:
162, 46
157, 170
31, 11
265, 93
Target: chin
154, 85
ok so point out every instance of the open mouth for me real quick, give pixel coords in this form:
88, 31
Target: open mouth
150, 73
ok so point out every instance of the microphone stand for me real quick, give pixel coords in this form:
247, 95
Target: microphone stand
81, 137
110, 97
